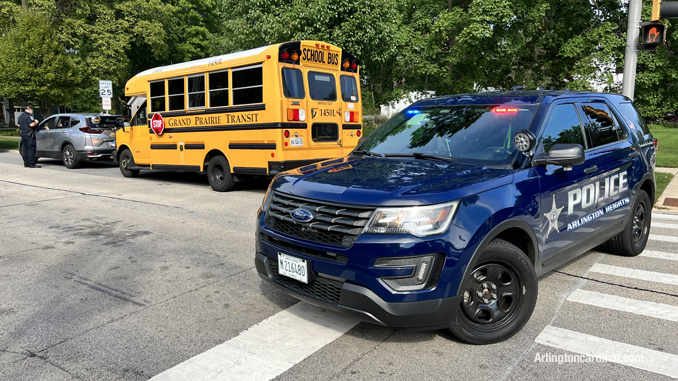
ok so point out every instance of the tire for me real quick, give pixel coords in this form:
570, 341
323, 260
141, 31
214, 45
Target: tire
632, 240
219, 174
70, 157
127, 160
505, 278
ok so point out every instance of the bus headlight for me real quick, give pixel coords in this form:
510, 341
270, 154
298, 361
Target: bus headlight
420, 221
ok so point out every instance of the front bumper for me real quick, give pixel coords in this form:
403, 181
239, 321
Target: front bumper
361, 303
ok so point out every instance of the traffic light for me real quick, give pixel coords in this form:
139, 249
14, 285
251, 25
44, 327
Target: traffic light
653, 34
664, 10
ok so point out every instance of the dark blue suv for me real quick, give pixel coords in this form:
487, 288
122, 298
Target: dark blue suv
446, 215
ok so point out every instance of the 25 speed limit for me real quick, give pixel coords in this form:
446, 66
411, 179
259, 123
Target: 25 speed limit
105, 89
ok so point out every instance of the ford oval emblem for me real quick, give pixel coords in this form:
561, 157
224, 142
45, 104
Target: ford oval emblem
301, 215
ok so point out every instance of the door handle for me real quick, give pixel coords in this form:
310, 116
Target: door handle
634, 154
591, 169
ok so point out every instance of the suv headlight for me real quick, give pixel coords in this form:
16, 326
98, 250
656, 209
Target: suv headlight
420, 221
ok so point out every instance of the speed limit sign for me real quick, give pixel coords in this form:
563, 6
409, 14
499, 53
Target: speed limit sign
105, 89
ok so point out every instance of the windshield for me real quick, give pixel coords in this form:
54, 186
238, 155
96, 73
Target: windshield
474, 133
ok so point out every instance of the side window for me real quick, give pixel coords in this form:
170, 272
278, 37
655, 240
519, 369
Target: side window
601, 125
158, 96
639, 124
248, 85
322, 86
218, 88
48, 123
562, 127
64, 122
141, 117
349, 89
293, 83
74, 122
175, 90
196, 91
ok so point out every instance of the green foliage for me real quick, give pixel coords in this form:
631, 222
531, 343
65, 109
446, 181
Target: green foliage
404, 45
663, 179
667, 147
35, 65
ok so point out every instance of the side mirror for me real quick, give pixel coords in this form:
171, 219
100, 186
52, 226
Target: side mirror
564, 155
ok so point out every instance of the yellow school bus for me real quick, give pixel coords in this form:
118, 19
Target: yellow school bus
251, 113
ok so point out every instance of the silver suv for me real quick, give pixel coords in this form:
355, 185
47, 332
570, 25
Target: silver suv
77, 137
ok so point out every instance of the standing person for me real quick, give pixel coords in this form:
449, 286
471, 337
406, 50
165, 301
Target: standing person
27, 126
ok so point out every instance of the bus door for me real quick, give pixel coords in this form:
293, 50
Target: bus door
139, 136
351, 119
324, 105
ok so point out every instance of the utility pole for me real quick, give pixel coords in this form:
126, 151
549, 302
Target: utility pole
24, 5
631, 57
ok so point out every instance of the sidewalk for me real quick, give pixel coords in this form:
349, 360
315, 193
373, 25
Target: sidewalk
670, 195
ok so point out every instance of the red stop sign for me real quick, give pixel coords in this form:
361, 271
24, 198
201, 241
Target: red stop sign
157, 124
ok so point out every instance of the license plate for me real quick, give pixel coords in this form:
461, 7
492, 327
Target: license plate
293, 267
297, 142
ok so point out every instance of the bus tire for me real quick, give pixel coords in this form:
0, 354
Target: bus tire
126, 161
219, 174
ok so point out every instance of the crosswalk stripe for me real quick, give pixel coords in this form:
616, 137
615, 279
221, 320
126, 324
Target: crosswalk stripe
665, 238
619, 303
663, 225
610, 350
660, 255
625, 272
665, 216
267, 349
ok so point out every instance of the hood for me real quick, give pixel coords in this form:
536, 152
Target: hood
390, 181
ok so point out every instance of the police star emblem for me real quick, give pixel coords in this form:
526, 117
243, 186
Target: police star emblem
552, 216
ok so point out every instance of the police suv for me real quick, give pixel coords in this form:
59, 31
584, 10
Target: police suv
446, 215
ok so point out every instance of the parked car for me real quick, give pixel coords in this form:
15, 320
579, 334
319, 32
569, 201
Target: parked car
671, 117
446, 215
77, 137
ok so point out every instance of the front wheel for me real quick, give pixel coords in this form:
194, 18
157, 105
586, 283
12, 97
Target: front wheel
632, 240
126, 161
70, 157
498, 296
219, 174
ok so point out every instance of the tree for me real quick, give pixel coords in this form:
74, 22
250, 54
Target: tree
34, 65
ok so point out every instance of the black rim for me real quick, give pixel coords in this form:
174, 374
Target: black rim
218, 174
492, 295
639, 222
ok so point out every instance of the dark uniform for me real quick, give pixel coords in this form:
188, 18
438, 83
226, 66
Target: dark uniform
27, 138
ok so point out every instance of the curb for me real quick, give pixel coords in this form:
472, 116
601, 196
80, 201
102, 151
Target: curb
671, 191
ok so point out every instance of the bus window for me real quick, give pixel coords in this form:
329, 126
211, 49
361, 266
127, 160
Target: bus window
325, 132
293, 83
140, 118
175, 90
322, 86
196, 91
158, 96
248, 84
349, 89
219, 88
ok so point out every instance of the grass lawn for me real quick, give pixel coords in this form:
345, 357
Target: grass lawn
667, 148
663, 179
9, 143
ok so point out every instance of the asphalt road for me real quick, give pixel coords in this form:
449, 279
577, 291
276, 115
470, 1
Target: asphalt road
108, 278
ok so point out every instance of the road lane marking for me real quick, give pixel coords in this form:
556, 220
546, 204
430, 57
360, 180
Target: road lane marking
267, 349
612, 351
613, 302
665, 216
625, 272
665, 238
664, 225
659, 254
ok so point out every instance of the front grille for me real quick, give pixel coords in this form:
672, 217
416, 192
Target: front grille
332, 224
328, 290
305, 250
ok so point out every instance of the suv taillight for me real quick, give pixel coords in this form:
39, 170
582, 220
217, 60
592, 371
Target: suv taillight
656, 144
89, 130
